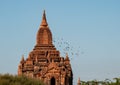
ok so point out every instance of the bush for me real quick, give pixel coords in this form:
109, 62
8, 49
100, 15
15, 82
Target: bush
8, 79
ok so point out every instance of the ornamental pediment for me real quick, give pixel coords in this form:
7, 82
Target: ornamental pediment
52, 68
52, 65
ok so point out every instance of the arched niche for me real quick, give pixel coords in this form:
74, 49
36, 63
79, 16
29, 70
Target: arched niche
52, 81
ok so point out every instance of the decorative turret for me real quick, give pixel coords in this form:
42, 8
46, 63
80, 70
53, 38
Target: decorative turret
67, 58
22, 59
78, 83
67, 61
44, 35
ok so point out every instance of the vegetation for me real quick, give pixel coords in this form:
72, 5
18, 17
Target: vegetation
116, 81
8, 79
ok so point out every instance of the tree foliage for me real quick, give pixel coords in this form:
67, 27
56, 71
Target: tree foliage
8, 79
105, 82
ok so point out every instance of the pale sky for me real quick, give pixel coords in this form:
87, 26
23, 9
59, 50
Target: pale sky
91, 27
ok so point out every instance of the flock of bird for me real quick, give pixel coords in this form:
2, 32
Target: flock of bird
66, 47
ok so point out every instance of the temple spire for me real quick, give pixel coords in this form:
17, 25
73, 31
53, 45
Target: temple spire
67, 58
44, 35
22, 58
44, 20
78, 83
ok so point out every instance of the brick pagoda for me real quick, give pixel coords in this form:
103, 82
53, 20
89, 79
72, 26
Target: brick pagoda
44, 61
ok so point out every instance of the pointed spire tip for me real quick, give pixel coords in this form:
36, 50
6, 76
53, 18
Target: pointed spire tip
44, 11
44, 20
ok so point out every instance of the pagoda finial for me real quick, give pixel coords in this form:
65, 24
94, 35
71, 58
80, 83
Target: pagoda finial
44, 20
78, 81
67, 58
22, 58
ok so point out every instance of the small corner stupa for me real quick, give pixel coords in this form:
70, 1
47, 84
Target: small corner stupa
44, 61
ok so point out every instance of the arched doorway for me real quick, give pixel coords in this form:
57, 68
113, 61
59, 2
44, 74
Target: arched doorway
52, 82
